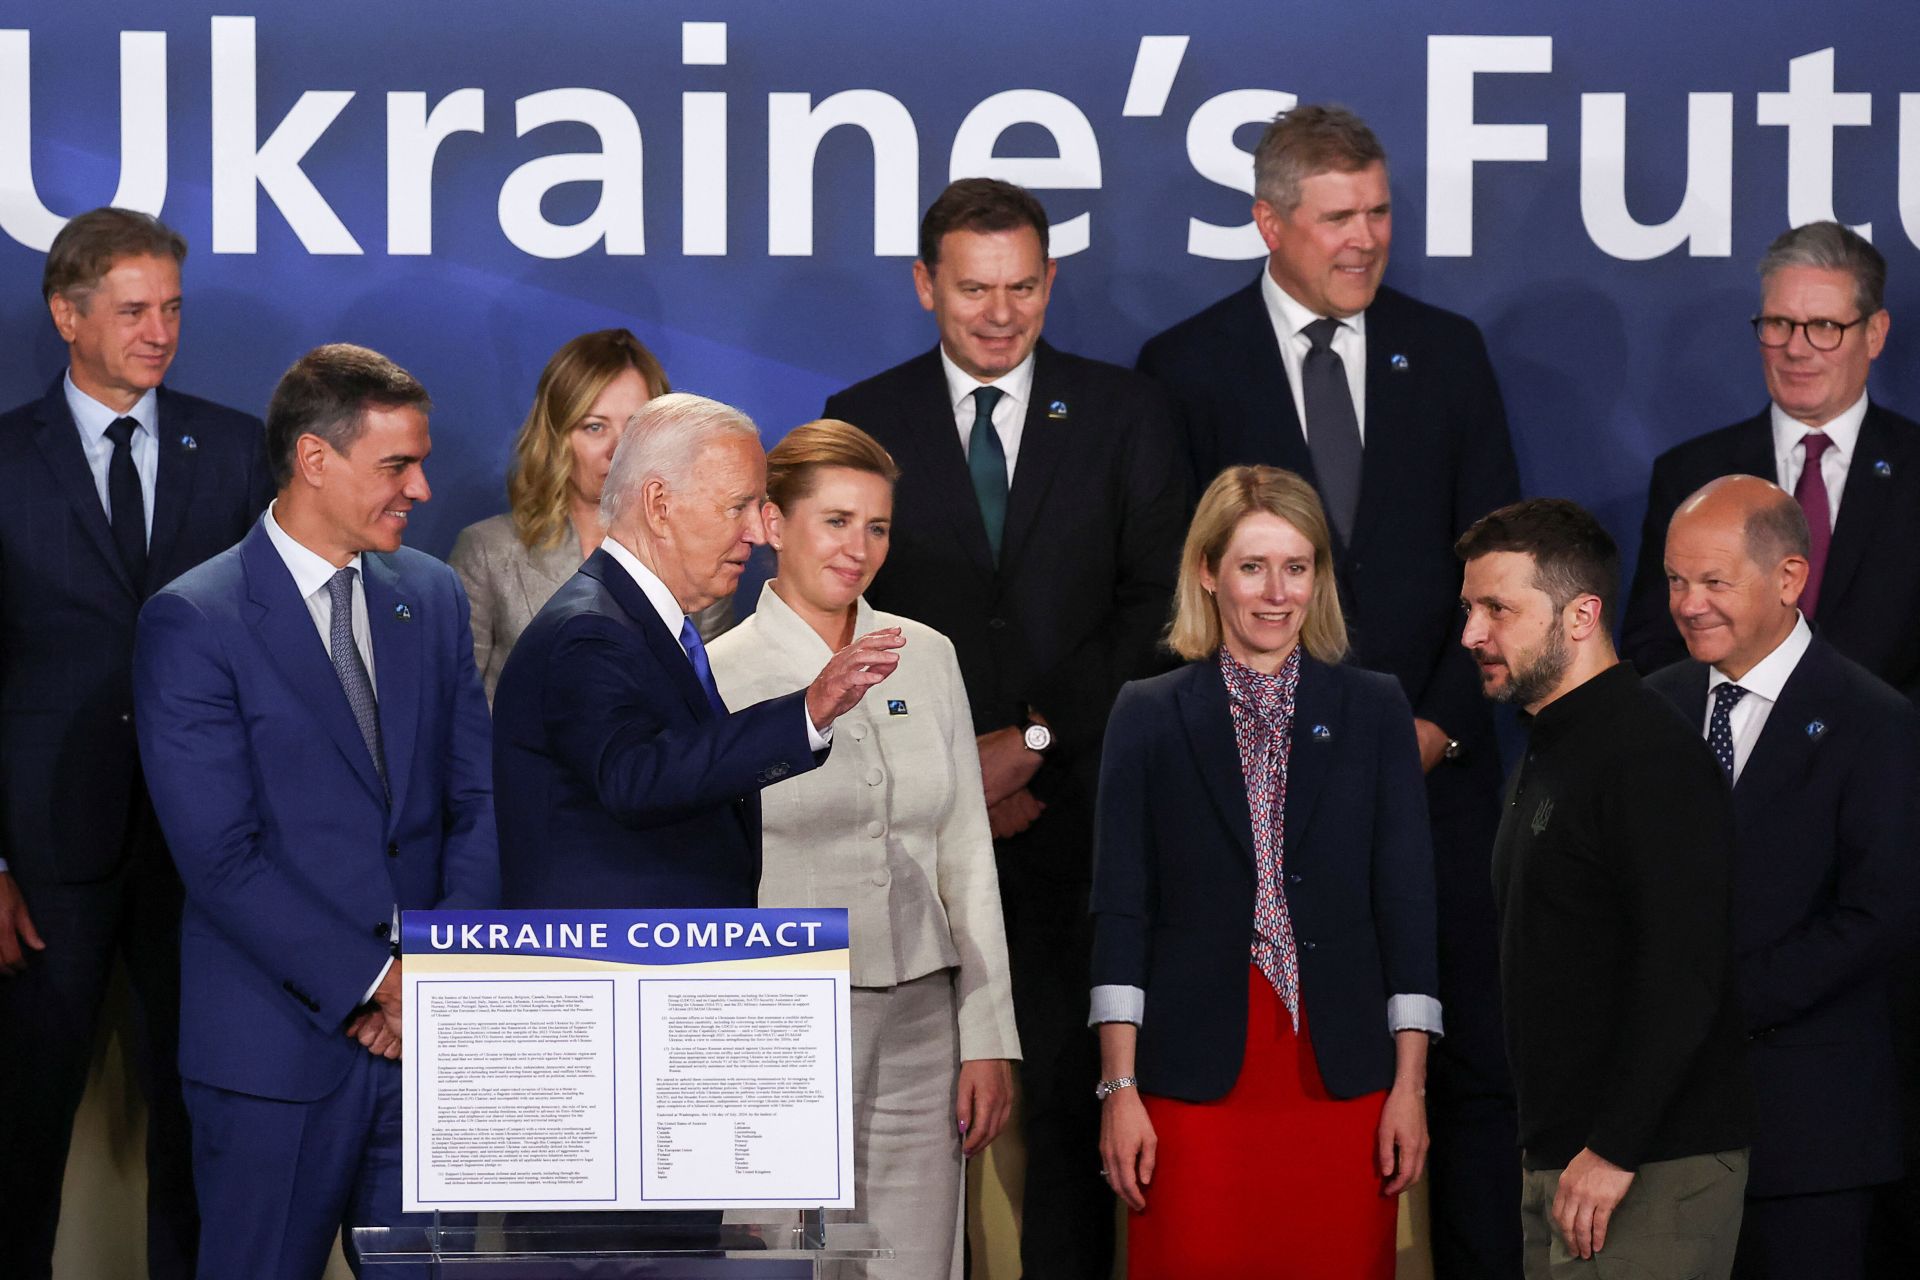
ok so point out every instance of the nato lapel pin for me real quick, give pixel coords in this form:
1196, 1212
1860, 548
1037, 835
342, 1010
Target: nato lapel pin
190, 444
401, 612
1058, 409
1322, 734
1881, 469
1816, 730
896, 706
1399, 362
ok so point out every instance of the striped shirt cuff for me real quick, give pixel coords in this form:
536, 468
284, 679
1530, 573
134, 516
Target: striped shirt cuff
1118, 1004
1415, 1013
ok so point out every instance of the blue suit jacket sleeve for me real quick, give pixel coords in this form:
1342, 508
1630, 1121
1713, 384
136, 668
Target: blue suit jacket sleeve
1404, 912
1123, 868
200, 772
643, 770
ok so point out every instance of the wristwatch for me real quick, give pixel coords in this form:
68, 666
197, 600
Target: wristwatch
1106, 1087
1037, 737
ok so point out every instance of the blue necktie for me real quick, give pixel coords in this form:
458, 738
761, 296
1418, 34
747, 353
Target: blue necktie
987, 460
1720, 727
353, 672
702, 669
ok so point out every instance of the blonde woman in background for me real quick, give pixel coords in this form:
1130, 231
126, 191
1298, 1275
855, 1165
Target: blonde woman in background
893, 828
513, 562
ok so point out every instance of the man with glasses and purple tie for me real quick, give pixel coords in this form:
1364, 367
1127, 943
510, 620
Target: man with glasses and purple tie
1854, 466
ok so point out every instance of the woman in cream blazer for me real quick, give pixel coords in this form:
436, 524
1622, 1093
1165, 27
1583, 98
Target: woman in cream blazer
893, 827
512, 563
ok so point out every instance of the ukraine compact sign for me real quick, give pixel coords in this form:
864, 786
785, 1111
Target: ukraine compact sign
626, 1060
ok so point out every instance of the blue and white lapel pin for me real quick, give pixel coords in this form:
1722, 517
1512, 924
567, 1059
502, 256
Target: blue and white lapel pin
1058, 409
402, 613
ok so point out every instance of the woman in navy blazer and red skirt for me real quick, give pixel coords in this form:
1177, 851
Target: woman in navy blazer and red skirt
1264, 955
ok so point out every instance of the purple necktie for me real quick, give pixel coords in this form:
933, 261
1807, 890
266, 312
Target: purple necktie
1811, 493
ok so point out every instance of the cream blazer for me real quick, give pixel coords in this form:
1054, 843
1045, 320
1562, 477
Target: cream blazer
893, 826
507, 583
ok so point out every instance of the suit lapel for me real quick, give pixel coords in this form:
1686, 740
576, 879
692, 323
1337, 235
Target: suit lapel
58, 440
1277, 437
173, 484
285, 629
1863, 502
1391, 412
1208, 721
1316, 731
641, 615
395, 629
945, 485
1045, 439
1793, 733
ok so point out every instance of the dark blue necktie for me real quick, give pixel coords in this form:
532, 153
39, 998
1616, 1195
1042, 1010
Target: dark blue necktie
1720, 727
126, 505
1333, 430
353, 672
987, 460
702, 669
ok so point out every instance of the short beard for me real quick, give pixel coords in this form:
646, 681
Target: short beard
1536, 675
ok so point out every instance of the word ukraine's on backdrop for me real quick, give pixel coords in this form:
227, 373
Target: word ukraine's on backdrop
252, 159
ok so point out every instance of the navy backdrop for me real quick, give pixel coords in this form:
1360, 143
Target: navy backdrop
307, 208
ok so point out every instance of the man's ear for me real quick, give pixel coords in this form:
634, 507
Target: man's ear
66, 315
311, 458
1582, 617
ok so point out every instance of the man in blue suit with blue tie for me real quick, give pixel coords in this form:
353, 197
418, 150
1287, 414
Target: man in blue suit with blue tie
315, 739
111, 485
623, 780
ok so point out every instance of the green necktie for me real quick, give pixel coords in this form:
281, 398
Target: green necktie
987, 461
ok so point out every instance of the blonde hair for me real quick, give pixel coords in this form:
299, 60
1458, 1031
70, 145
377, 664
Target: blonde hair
542, 466
794, 463
1235, 494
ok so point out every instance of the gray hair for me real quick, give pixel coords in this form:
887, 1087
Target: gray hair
1306, 141
1828, 246
661, 441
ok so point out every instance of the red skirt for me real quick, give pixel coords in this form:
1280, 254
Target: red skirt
1277, 1179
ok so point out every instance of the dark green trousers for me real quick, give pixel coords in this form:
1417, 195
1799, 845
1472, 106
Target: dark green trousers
1680, 1220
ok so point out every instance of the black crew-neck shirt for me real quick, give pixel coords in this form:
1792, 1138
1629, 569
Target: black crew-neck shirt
1613, 877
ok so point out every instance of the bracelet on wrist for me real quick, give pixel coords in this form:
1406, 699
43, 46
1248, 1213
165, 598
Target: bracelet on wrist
1107, 1088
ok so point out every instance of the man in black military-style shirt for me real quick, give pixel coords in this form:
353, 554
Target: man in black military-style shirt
1612, 878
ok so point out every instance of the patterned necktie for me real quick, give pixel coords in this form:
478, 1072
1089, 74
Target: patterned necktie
1720, 727
127, 506
697, 655
1333, 430
987, 461
353, 672
1811, 493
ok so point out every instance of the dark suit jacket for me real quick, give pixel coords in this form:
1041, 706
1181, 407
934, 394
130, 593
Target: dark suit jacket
1869, 606
292, 856
68, 767
617, 784
1437, 458
1174, 878
1825, 884
1076, 605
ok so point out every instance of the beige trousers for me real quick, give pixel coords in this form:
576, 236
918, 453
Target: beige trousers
1680, 1220
907, 1171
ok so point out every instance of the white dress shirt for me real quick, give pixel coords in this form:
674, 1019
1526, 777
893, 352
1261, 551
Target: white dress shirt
93, 419
1790, 451
673, 617
1763, 685
1290, 321
1009, 415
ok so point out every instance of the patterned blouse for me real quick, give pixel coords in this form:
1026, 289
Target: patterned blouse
1263, 726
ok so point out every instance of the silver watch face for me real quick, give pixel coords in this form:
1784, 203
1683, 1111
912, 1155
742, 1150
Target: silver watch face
1038, 737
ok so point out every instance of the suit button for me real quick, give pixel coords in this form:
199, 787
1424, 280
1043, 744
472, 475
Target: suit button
876, 829
875, 777
393, 851
859, 732
126, 717
883, 877
1293, 878
382, 929
1308, 946
997, 624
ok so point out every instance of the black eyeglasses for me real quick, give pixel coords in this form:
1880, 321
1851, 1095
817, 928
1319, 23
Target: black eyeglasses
1822, 335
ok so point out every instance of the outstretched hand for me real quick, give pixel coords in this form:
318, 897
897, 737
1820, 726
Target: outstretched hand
850, 673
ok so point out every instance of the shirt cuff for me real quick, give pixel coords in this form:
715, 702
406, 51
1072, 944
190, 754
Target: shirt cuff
3, 864
1118, 1004
1415, 1013
368, 998
817, 739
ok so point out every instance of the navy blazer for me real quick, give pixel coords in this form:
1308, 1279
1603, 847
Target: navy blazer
617, 783
292, 856
68, 763
1826, 882
1437, 458
1174, 880
1869, 606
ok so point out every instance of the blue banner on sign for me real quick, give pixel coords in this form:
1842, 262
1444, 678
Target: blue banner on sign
626, 937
